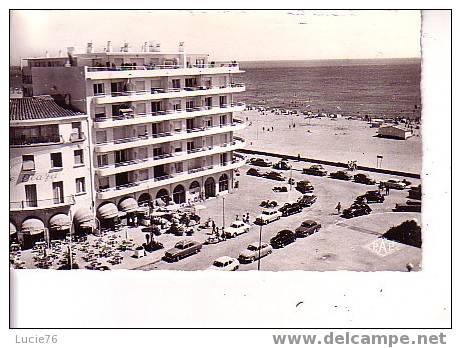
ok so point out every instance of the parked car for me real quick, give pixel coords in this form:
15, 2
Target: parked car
307, 200
254, 172
274, 176
268, 204
307, 228
290, 208
341, 175
356, 209
260, 162
304, 186
409, 205
393, 184
267, 216
370, 196
362, 178
182, 249
315, 169
415, 192
225, 263
254, 252
236, 228
282, 239
279, 189
282, 165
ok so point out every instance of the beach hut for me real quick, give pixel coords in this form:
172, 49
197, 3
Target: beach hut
376, 122
394, 132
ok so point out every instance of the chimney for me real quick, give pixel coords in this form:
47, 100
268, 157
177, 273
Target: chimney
109, 46
89, 47
125, 47
154, 47
47, 54
145, 47
70, 50
60, 53
181, 46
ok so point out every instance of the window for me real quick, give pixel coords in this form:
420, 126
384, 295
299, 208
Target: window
28, 162
222, 100
189, 105
31, 195
101, 137
100, 113
58, 192
98, 88
177, 106
78, 157
103, 183
80, 185
156, 106
176, 83
222, 120
56, 160
208, 101
103, 160
191, 82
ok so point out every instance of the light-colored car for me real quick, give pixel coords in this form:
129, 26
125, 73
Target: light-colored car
394, 184
236, 228
225, 263
267, 216
254, 252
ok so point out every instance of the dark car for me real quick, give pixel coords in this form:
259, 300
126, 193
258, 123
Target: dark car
260, 162
371, 196
414, 206
415, 192
283, 238
364, 179
307, 200
341, 175
274, 176
282, 165
290, 209
307, 228
182, 249
279, 189
316, 169
304, 186
254, 172
356, 209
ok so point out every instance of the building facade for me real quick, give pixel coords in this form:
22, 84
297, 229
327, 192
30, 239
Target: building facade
161, 124
50, 174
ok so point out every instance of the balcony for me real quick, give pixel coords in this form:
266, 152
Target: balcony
159, 93
131, 118
144, 140
42, 204
36, 141
168, 179
119, 72
137, 164
77, 137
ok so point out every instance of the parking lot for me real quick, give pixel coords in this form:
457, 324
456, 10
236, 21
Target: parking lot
341, 244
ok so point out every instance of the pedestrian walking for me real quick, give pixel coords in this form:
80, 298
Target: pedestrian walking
213, 225
237, 217
248, 218
338, 207
387, 190
263, 129
272, 128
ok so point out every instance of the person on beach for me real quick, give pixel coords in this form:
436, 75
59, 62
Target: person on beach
237, 217
272, 129
338, 207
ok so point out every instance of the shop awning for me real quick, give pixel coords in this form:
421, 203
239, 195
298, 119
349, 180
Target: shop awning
12, 228
59, 222
128, 205
88, 224
32, 226
108, 211
83, 215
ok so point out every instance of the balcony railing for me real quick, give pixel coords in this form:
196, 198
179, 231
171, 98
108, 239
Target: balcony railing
38, 140
42, 203
77, 136
237, 159
166, 134
160, 67
131, 115
172, 154
167, 90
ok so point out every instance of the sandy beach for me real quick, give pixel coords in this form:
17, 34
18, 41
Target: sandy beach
338, 140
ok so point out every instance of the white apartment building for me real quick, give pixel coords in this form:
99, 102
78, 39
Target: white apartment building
161, 124
50, 175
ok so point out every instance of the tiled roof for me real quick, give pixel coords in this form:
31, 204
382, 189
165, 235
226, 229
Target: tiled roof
37, 108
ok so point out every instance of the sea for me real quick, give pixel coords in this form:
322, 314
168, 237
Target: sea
353, 87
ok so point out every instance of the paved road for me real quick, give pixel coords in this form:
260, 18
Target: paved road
337, 235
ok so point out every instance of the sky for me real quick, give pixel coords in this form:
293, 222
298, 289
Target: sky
225, 35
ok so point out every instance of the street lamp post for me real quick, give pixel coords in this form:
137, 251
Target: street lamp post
259, 249
291, 175
223, 224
